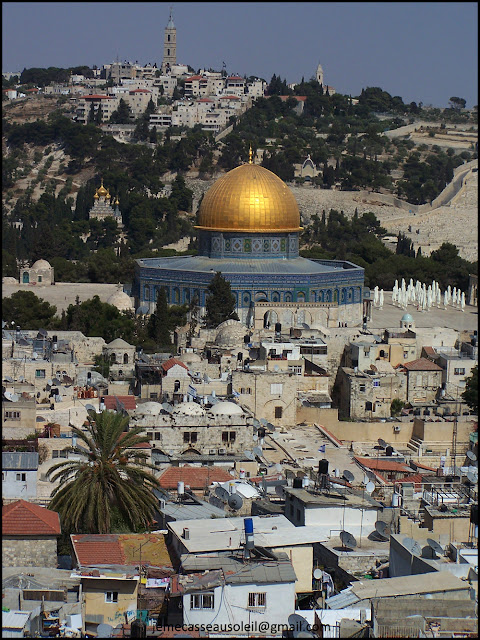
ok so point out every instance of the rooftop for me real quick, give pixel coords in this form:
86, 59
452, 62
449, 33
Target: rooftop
350, 500
23, 518
194, 477
121, 549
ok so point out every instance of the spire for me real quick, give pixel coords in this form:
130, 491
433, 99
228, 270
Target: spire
250, 155
170, 24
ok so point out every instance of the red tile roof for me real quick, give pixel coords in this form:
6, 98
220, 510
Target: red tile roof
416, 478
97, 549
168, 364
383, 465
193, 78
97, 96
140, 91
229, 98
421, 364
194, 477
22, 518
112, 402
430, 352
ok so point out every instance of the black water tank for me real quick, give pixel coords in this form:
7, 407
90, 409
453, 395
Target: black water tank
297, 483
278, 327
474, 514
261, 433
246, 339
138, 629
389, 451
323, 467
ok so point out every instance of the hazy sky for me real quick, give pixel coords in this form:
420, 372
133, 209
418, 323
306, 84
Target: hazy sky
421, 51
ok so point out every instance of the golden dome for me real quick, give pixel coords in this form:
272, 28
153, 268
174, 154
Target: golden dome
249, 198
101, 191
108, 196
95, 197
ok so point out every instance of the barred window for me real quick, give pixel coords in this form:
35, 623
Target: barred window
257, 600
202, 601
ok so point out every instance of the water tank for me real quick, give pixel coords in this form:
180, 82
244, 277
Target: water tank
241, 474
389, 451
396, 499
248, 524
186, 533
323, 466
180, 488
297, 483
305, 482
138, 629
278, 327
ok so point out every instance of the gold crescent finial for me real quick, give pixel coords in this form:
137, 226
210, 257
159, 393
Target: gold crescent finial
250, 155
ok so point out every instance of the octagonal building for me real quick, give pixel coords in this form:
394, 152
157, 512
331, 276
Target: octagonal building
249, 226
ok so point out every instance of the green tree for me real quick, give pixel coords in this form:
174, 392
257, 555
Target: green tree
457, 103
28, 311
220, 303
111, 477
96, 318
158, 328
122, 113
470, 395
396, 406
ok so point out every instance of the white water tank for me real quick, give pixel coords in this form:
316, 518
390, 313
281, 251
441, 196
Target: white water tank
242, 474
180, 488
396, 499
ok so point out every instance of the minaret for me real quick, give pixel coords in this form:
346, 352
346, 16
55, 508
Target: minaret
169, 46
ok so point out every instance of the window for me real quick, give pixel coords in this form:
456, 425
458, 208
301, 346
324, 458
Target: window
276, 389
190, 437
362, 388
201, 601
257, 600
21, 477
376, 383
153, 396
295, 369
150, 435
228, 436
278, 412
12, 415
111, 596
158, 436
59, 453
40, 278
459, 372
40, 373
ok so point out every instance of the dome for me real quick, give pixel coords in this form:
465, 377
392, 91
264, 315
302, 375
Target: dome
226, 409
190, 357
101, 191
9, 280
148, 409
120, 300
249, 198
406, 318
189, 409
230, 333
41, 264
118, 343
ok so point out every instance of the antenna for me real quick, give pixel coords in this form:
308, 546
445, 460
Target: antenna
235, 501
348, 541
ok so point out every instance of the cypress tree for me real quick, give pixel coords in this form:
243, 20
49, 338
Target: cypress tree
158, 328
220, 304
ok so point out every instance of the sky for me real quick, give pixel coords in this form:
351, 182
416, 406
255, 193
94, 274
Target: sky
422, 51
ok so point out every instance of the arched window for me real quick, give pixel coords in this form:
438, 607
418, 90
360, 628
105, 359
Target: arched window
26, 277
275, 296
186, 296
335, 295
301, 296
168, 52
288, 297
176, 296
368, 406
147, 292
168, 37
125, 358
113, 358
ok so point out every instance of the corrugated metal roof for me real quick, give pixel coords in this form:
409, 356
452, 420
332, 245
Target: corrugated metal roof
21, 460
14, 619
342, 600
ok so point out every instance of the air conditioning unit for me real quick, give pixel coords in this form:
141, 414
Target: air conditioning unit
396, 428
222, 451
211, 452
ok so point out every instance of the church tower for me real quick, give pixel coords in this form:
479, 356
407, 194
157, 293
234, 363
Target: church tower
319, 74
169, 46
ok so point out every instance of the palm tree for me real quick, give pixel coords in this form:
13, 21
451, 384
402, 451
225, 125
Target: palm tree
110, 478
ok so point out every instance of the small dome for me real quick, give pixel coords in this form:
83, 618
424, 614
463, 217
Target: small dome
226, 409
230, 333
407, 318
41, 264
95, 197
9, 280
189, 409
121, 300
101, 191
108, 196
118, 343
190, 357
148, 409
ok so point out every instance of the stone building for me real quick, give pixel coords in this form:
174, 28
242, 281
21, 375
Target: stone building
121, 357
40, 273
424, 379
194, 433
19, 474
29, 535
102, 207
169, 47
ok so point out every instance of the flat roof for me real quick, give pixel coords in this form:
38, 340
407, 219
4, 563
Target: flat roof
270, 531
333, 499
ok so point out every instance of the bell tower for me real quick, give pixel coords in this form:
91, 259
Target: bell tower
169, 46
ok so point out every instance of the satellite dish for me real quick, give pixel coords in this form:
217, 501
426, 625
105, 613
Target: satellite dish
382, 528
255, 437
348, 540
15, 397
276, 368
23, 343
278, 467
256, 423
43, 333
270, 426
90, 407
382, 443
370, 487
317, 574
222, 493
50, 382
249, 455
412, 546
471, 456
34, 355
8, 379
305, 326
104, 630
365, 480
57, 382
472, 477
8, 396
235, 501
212, 400
258, 451
280, 491
275, 435
435, 546
167, 407
348, 475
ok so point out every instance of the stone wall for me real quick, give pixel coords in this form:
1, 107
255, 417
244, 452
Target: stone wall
29, 552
